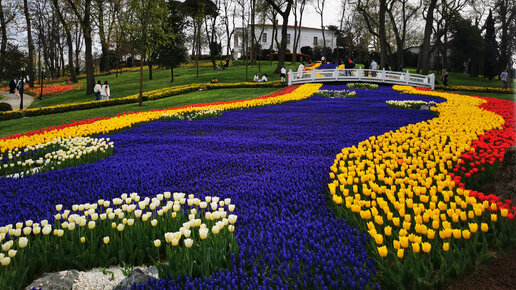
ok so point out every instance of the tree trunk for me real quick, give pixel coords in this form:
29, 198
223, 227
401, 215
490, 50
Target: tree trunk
3, 45
171, 74
140, 92
284, 14
149, 64
382, 34
30, 65
252, 53
104, 59
424, 54
90, 75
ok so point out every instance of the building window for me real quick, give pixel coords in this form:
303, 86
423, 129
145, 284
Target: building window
264, 38
315, 40
288, 38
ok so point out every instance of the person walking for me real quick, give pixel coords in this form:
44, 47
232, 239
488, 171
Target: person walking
96, 90
444, 77
374, 66
300, 70
504, 76
105, 92
19, 88
12, 86
283, 73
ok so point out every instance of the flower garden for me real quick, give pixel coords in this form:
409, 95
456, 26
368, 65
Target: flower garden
288, 190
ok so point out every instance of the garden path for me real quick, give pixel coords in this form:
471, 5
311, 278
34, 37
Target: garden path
14, 101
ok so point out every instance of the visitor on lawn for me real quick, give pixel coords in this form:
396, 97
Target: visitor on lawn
214, 80
503, 76
283, 73
264, 78
96, 90
256, 77
105, 92
444, 77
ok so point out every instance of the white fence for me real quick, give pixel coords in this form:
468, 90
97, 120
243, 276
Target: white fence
361, 75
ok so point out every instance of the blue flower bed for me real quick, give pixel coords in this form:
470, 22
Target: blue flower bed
273, 162
328, 66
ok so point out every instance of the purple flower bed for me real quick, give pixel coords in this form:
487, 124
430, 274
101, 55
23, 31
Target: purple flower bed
328, 66
273, 162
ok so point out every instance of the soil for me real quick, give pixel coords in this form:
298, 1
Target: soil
496, 274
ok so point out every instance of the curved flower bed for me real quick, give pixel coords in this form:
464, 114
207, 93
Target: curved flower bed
397, 186
476, 89
53, 89
271, 161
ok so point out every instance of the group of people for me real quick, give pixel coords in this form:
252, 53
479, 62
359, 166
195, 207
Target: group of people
16, 87
257, 78
102, 92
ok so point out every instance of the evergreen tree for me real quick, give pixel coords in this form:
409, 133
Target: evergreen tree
491, 67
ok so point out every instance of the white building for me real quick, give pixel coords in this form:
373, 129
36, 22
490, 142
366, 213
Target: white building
309, 36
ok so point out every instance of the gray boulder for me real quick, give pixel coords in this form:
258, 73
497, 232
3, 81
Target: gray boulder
136, 276
63, 280
424, 108
506, 175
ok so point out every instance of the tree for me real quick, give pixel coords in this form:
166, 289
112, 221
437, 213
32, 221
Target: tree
84, 16
424, 52
491, 48
506, 14
30, 64
319, 8
173, 53
69, 41
466, 46
6, 16
284, 14
299, 8
147, 31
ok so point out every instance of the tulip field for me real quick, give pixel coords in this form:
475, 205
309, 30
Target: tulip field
289, 190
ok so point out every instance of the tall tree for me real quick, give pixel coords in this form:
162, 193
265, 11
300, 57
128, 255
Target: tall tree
298, 9
147, 31
284, 14
83, 13
69, 42
506, 14
424, 52
382, 34
490, 48
30, 64
5, 18
319, 8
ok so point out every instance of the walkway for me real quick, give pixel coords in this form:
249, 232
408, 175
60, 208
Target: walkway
14, 101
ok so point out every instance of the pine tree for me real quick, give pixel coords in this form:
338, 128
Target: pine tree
491, 66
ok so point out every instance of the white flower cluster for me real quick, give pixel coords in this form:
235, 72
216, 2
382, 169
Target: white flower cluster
70, 148
193, 115
367, 86
336, 94
409, 104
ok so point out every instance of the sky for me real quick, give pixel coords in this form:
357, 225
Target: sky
332, 11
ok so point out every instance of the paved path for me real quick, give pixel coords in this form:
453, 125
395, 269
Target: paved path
14, 101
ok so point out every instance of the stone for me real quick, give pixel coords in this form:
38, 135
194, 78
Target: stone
424, 108
136, 276
506, 175
63, 280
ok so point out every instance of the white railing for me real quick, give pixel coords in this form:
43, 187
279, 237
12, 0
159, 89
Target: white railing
361, 75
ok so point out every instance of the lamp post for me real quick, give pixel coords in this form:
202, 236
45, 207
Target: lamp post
22, 87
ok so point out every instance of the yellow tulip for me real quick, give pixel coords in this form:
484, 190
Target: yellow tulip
484, 227
382, 251
427, 247
446, 247
401, 253
106, 240
416, 247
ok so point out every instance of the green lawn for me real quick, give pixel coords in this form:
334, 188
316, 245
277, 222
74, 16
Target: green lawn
219, 95
128, 84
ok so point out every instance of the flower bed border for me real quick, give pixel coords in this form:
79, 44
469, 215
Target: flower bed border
476, 89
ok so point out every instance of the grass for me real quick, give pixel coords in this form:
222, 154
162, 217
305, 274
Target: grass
29, 124
128, 83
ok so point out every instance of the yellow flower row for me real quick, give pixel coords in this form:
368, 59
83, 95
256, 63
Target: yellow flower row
314, 66
125, 121
398, 183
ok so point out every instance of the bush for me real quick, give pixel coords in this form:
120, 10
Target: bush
5, 107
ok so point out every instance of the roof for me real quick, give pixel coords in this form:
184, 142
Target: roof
279, 26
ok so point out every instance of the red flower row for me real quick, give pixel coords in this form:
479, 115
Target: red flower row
489, 151
50, 89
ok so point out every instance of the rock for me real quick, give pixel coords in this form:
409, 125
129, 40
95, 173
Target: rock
506, 175
424, 108
151, 271
136, 276
63, 280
